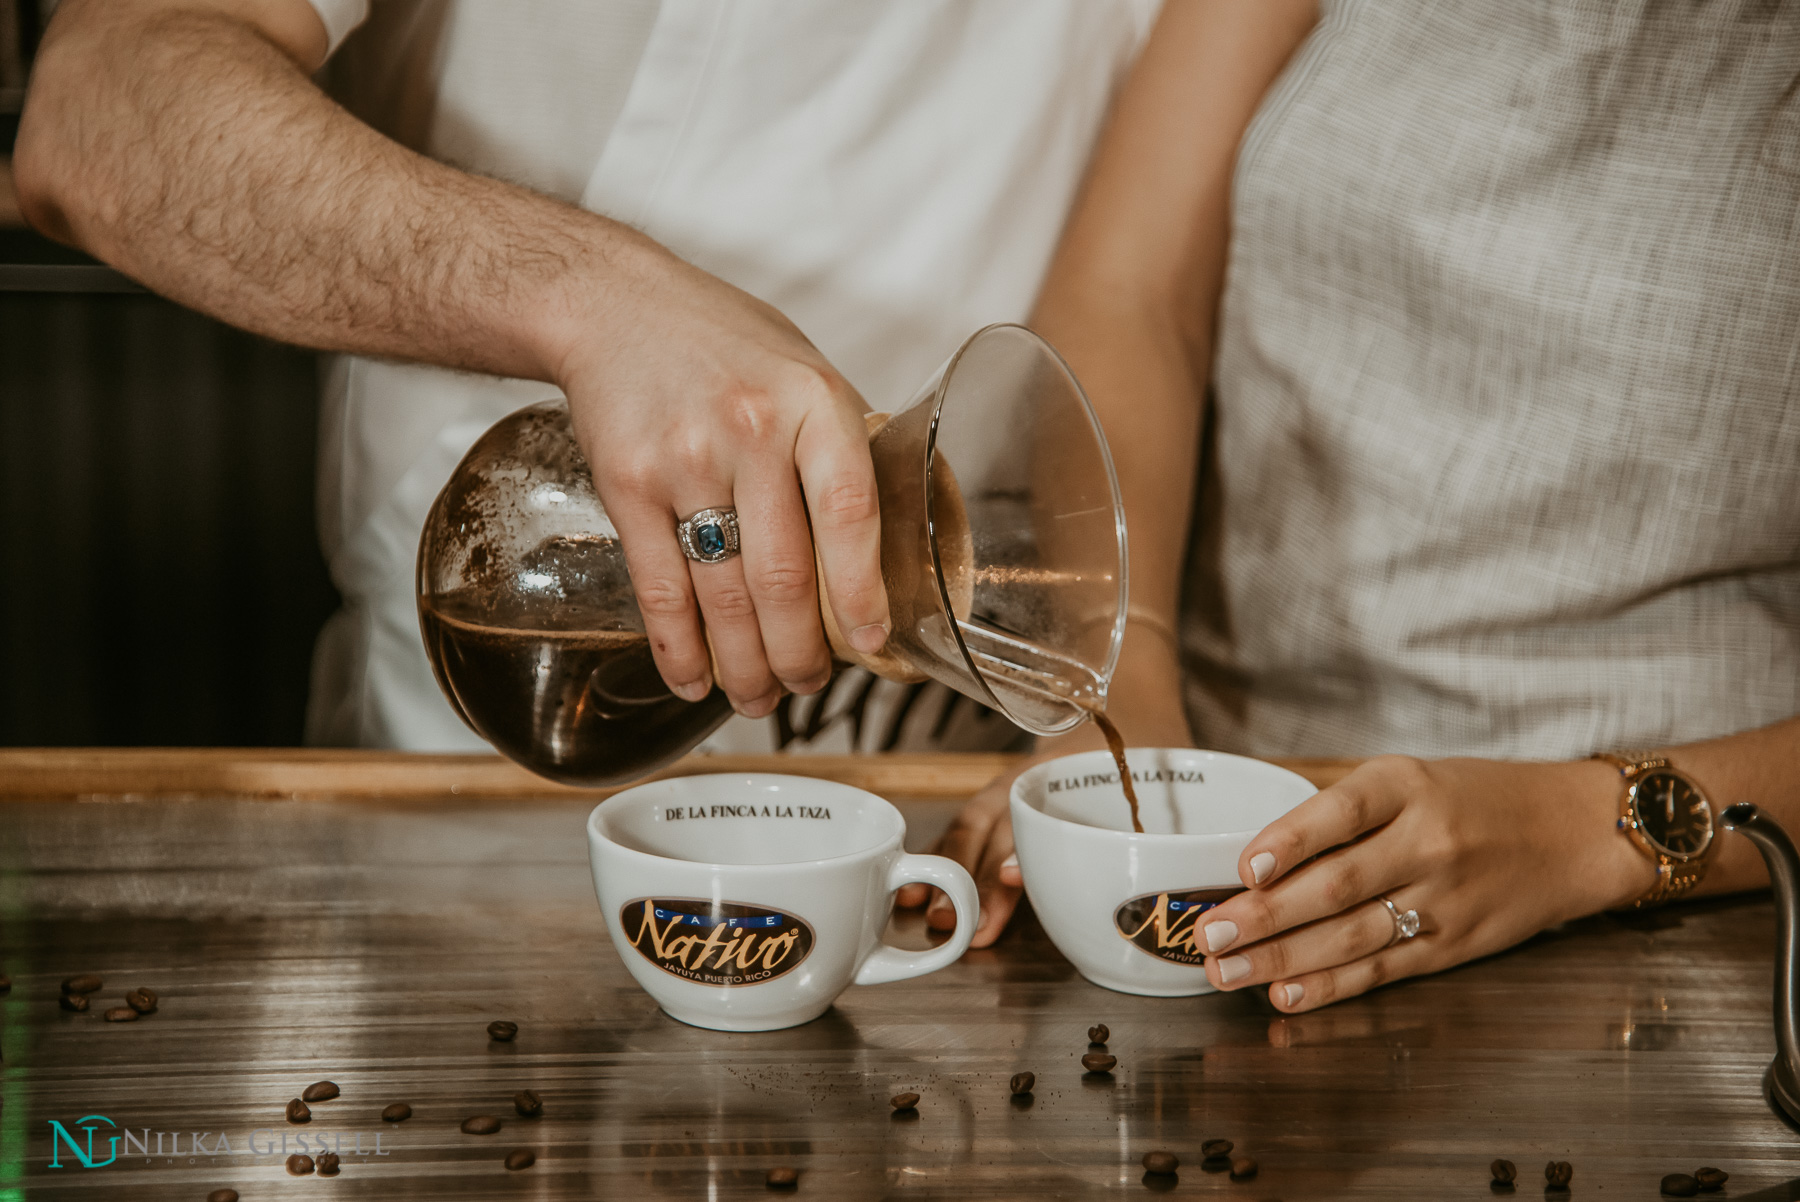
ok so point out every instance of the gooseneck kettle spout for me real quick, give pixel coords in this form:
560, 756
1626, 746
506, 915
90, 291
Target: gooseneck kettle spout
1781, 1084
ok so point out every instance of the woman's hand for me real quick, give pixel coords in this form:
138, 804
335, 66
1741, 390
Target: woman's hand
1488, 854
689, 394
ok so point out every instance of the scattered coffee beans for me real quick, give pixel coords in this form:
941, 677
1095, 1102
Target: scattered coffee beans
300, 1165
222, 1195
399, 1112
1099, 1034
328, 1164
142, 1000
1503, 1172
783, 1178
1160, 1162
1021, 1083
501, 1031
85, 983
480, 1124
1711, 1179
299, 1112
74, 1001
1680, 1185
319, 1091
1558, 1174
1242, 1168
121, 1014
520, 1158
1216, 1147
528, 1104
1098, 1062
904, 1101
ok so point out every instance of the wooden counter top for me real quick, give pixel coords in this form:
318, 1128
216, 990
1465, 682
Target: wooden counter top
368, 936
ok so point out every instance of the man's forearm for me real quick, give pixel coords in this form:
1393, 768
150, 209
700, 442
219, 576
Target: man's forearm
196, 156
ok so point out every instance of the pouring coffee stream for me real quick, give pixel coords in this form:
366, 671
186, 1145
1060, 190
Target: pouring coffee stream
1002, 553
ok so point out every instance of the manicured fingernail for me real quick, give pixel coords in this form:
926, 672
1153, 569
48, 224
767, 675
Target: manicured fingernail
1220, 935
694, 690
1293, 993
1233, 967
1261, 865
869, 639
1011, 861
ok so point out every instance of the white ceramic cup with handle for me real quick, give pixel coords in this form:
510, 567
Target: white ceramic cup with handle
1127, 909
748, 902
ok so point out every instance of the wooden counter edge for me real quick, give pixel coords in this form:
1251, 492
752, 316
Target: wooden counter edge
316, 774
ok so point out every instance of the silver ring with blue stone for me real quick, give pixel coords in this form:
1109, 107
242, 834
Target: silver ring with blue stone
710, 536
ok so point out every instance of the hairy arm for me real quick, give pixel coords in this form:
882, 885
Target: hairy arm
183, 142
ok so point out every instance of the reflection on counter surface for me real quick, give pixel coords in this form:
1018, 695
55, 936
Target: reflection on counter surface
370, 944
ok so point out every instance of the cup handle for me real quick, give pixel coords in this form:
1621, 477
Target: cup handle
889, 963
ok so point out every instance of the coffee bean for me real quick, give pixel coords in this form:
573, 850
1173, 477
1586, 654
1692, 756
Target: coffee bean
1021, 1083
1215, 1147
5, 984
528, 1104
1160, 1162
1099, 1034
142, 1000
1098, 1062
299, 1112
222, 1195
520, 1158
904, 1101
1242, 1168
1558, 1174
1711, 1179
319, 1091
1503, 1172
783, 1178
300, 1165
1680, 1185
501, 1031
86, 983
121, 1014
480, 1124
74, 1001
328, 1164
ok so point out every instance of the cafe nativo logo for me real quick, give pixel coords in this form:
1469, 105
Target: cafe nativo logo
1166, 924
716, 943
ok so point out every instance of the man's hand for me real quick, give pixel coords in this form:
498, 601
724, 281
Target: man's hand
183, 142
699, 396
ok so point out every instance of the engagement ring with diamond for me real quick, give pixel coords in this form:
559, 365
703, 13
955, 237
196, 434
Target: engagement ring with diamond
1406, 923
710, 536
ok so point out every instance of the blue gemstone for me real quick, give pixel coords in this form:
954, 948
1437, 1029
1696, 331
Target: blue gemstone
710, 538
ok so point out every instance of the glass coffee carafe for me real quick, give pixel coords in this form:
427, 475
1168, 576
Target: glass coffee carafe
1002, 550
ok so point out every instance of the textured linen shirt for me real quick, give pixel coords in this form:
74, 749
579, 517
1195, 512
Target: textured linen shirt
1505, 456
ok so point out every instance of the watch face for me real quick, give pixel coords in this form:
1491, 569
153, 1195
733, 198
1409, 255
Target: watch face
1671, 813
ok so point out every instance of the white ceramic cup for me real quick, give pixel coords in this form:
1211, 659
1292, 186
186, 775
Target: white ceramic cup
746, 902
1126, 908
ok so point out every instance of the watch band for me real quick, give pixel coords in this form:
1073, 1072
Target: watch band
1673, 877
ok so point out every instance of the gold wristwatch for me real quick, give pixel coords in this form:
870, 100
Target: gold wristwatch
1668, 817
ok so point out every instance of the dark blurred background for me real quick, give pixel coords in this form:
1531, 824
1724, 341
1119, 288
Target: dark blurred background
160, 578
